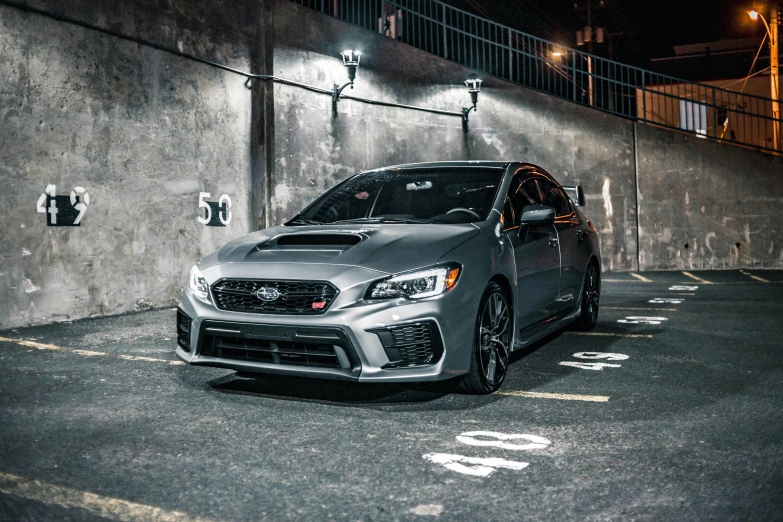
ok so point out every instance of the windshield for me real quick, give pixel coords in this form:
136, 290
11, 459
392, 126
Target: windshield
436, 195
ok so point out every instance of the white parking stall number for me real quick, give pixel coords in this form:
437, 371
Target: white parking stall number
666, 300
83, 201
223, 207
43, 208
485, 466
47, 204
637, 319
499, 440
475, 466
601, 355
683, 288
596, 366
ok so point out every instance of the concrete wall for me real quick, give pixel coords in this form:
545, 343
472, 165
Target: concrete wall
314, 151
704, 205
144, 131
141, 130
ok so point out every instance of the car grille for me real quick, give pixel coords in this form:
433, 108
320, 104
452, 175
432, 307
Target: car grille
296, 297
413, 344
275, 352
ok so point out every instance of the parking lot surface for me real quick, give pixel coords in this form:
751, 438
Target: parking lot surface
669, 410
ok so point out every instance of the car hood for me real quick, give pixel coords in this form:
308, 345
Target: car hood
388, 248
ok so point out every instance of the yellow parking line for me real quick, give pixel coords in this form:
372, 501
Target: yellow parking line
558, 396
699, 279
640, 277
31, 344
607, 334
651, 292
85, 353
627, 308
757, 278
105, 507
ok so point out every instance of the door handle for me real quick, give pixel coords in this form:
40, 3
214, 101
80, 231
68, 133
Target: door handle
553, 242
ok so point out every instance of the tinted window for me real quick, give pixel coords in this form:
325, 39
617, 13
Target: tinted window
520, 194
554, 197
450, 195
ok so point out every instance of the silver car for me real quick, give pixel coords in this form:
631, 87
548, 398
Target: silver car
410, 273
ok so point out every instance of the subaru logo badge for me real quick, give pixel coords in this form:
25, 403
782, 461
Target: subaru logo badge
267, 293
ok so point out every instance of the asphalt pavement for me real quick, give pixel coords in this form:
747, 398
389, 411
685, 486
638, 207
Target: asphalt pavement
672, 409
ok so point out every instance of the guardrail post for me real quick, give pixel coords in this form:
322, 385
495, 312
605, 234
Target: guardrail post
644, 99
510, 56
445, 38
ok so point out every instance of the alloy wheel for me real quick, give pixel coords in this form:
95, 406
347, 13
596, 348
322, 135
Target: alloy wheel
591, 295
494, 337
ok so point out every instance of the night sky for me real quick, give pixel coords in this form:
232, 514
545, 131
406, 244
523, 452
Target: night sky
650, 27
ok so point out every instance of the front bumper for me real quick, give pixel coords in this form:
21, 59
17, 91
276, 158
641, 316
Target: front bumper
355, 329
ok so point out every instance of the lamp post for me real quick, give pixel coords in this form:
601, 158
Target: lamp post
559, 53
774, 77
351, 62
474, 87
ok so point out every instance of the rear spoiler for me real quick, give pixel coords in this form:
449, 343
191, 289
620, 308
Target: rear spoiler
576, 193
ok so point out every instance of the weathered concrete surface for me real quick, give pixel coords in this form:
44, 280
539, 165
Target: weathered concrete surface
314, 151
144, 132
707, 205
141, 130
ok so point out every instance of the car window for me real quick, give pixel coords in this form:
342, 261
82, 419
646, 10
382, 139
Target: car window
520, 194
445, 195
554, 197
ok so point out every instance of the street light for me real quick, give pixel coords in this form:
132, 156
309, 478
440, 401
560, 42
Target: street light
772, 32
351, 61
474, 87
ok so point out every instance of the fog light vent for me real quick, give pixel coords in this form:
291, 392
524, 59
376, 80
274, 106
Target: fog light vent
183, 330
413, 344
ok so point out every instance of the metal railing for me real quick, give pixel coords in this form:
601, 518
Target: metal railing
705, 110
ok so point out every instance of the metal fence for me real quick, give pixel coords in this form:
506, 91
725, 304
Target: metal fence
704, 110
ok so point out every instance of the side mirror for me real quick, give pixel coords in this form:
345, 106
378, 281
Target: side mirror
537, 216
576, 193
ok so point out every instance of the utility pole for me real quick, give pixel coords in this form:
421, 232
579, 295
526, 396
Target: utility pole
774, 67
590, 51
590, 34
774, 74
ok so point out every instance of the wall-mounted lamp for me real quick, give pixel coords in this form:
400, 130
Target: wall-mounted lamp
351, 61
474, 87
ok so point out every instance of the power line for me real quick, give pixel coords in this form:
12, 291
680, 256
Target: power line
523, 3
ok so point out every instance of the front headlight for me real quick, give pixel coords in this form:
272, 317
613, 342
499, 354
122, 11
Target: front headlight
197, 282
416, 285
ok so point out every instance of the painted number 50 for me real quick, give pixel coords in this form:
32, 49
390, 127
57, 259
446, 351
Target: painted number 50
224, 205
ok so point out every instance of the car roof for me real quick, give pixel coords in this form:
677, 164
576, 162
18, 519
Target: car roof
458, 164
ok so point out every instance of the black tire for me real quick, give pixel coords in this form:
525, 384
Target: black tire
491, 344
590, 299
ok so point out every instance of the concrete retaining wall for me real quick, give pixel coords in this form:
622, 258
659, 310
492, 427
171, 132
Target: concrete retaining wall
313, 150
144, 132
703, 205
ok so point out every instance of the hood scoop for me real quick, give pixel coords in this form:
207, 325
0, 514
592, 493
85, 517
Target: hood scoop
332, 241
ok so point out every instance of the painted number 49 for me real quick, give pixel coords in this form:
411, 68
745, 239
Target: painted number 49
597, 365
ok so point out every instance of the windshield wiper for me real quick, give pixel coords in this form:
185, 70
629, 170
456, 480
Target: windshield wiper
382, 220
305, 222
471, 190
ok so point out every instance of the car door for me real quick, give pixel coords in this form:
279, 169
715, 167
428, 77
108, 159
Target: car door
574, 250
536, 254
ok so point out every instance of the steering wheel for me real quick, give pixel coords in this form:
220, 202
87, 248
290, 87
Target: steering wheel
466, 210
